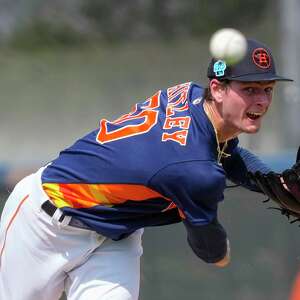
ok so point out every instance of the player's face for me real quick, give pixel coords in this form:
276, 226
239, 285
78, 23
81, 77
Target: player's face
244, 104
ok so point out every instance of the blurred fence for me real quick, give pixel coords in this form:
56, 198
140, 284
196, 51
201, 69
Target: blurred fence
61, 92
52, 97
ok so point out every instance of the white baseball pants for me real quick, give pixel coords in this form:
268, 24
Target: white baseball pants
41, 257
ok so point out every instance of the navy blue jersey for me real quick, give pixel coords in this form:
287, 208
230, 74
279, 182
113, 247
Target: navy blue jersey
156, 165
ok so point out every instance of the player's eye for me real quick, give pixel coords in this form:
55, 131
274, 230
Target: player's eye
249, 90
269, 90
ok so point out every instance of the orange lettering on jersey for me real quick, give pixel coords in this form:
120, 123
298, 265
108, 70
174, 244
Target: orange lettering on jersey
181, 100
177, 102
147, 119
181, 122
126, 116
153, 102
179, 136
182, 108
174, 91
150, 103
170, 110
179, 90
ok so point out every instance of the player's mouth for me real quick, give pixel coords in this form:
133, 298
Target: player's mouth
254, 115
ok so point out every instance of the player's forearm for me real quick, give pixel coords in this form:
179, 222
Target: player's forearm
209, 242
238, 165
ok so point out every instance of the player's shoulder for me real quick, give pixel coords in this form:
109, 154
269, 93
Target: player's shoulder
198, 177
206, 172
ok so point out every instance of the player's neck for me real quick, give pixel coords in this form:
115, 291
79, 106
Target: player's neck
223, 133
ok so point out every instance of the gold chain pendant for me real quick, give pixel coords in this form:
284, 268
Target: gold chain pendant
221, 153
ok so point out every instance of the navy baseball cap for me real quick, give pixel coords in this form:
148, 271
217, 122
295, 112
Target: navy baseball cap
257, 65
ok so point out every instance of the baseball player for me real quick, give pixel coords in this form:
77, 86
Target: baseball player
76, 224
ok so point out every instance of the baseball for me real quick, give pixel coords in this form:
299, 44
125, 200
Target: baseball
228, 44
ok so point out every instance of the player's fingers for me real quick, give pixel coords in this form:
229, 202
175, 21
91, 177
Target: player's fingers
262, 182
292, 181
285, 197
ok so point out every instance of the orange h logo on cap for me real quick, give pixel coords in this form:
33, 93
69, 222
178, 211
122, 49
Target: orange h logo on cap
261, 58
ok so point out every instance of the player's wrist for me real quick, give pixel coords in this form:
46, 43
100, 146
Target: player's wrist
226, 259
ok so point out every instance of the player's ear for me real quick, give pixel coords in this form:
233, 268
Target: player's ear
217, 89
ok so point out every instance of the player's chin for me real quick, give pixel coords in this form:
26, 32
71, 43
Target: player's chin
251, 129
252, 126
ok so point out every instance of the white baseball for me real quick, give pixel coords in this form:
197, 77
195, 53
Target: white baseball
228, 44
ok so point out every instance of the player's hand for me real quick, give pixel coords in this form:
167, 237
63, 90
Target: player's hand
282, 188
226, 260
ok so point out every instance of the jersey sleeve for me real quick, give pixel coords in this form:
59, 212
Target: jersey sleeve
239, 163
196, 188
208, 242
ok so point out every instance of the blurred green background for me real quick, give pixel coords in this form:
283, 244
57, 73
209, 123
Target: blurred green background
64, 65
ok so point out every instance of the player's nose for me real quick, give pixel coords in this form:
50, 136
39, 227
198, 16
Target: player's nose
263, 99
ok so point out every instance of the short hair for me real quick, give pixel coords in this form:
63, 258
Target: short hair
207, 96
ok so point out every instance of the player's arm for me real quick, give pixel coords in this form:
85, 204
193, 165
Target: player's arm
209, 242
196, 188
239, 164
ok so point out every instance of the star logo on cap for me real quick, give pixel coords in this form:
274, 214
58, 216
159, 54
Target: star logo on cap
261, 58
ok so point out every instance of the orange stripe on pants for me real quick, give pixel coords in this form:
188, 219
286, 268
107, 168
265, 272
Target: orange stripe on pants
9, 224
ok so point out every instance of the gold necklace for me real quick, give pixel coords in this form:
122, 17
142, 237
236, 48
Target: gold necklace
221, 152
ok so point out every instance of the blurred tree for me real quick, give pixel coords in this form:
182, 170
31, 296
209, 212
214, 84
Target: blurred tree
207, 16
115, 20
118, 21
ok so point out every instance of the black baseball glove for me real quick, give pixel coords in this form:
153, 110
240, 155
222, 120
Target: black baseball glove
282, 188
